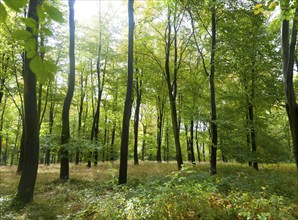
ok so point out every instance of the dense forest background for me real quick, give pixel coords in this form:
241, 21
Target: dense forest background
209, 81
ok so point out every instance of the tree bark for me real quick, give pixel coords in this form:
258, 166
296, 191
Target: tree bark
172, 86
213, 122
197, 142
128, 98
1, 127
144, 142
64, 162
31, 124
288, 57
136, 118
160, 116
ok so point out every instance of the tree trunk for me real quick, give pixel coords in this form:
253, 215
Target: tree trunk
213, 123
136, 119
31, 124
144, 142
288, 57
172, 86
197, 142
64, 162
187, 142
128, 98
204, 154
1, 126
112, 142
160, 116
192, 154
51, 124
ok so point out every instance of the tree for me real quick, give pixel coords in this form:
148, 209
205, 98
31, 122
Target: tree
64, 162
128, 98
288, 58
138, 90
31, 121
211, 74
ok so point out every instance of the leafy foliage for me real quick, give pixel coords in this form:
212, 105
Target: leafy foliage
239, 193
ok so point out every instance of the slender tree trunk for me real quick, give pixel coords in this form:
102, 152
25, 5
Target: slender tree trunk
31, 149
160, 116
105, 138
144, 142
64, 162
1, 126
128, 98
51, 124
204, 154
6, 151
192, 154
136, 119
16, 140
167, 144
187, 142
112, 142
172, 94
80, 115
197, 142
213, 123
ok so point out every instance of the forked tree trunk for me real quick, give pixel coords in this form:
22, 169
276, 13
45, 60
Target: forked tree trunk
172, 86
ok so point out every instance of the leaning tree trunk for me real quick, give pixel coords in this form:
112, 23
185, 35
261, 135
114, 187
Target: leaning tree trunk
31, 123
128, 98
288, 57
64, 162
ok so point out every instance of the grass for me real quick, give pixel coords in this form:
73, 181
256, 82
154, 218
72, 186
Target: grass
157, 191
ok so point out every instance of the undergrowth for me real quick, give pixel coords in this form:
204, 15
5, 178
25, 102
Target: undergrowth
237, 192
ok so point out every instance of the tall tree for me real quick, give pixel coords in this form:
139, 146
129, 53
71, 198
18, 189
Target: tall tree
288, 58
171, 76
64, 162
213, 122
128, 98
138, 90
210, 74
31, 121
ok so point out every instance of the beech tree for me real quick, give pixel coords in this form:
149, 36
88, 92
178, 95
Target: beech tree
31, 121
128, 98
288, 59
65, 135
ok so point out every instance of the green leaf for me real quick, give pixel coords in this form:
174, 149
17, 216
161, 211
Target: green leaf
3, 13
30, 54
21, 35
47, 31
16, 5
29, 22
36, 65
50, 68
53, 12
40, 13
43, 69
30, 45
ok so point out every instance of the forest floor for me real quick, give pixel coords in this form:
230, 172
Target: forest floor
156, 191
